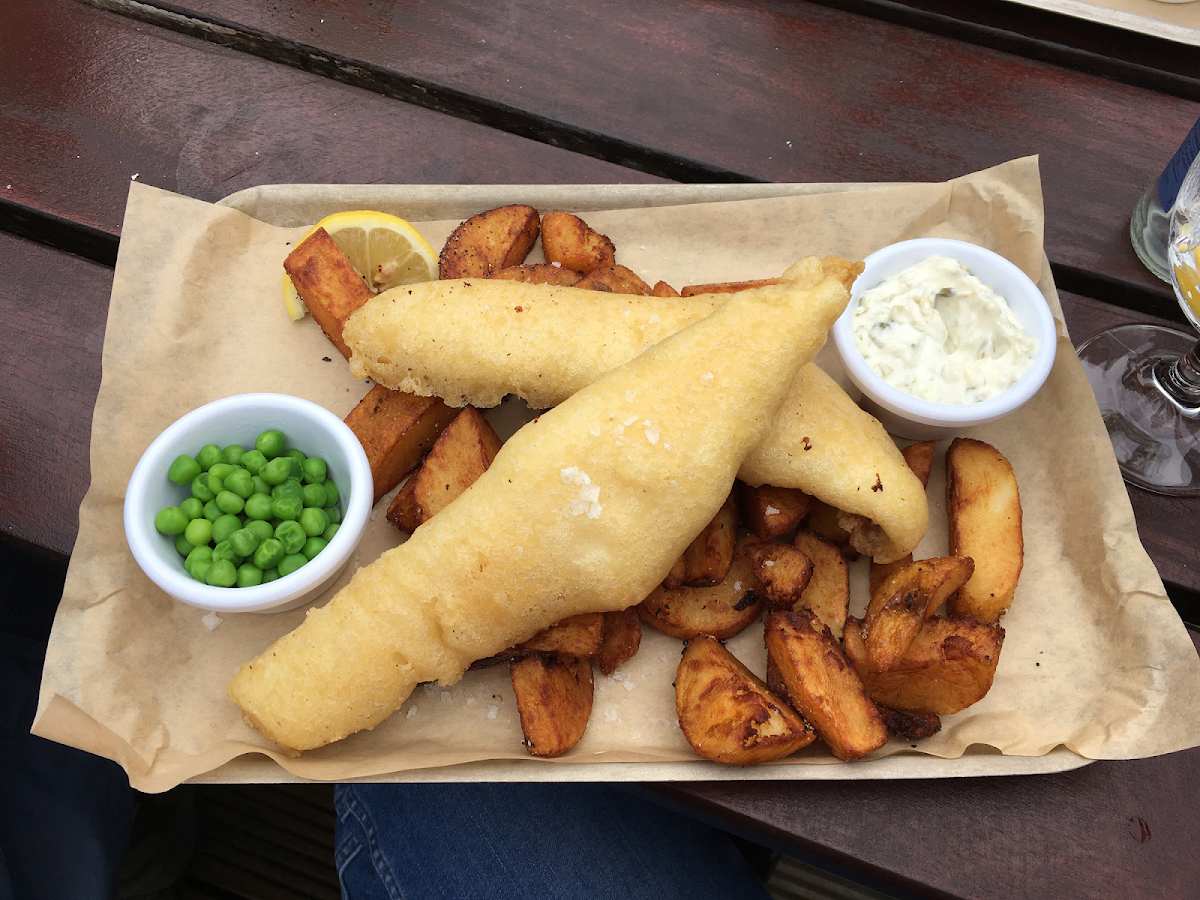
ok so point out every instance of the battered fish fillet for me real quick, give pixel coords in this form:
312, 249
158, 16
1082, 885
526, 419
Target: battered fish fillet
476, 341
583, 510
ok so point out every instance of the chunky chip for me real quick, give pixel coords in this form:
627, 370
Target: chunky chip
491, 241
823, 685
461, 453
707, 559
781, 571
620, 640
615, 280
574, 636
573, 244
903, 603
538, 273
728, 714
771, 512
720, 611
828, 590
554, 701
984, 507
396, 429
328, 284
949, 666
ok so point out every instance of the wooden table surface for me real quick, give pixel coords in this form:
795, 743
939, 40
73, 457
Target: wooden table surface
211, 96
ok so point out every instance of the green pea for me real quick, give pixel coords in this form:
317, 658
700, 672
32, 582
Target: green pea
261, 486
333, 514
183, 469
332, 494
171, 520
292, 536
200, 488
286, 508
269, 575
222, 470
291, 563
244, 542
216, 483
209, 456
313, 546
199, 532
262, 530
269, 553
290, 488
224, 550
225, 526
197, 554
253, 461
200, 569
182, 547
249, 575
233, 454
222, 574
313, 521
314, 495
258, 506
297, 457
192, 508
211, 511
229, 502
315, 470
270, 443
329, 532
240, 482
277, 471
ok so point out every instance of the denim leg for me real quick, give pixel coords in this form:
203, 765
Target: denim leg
501, 841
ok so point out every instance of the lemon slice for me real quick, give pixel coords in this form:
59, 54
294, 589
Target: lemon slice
385, 250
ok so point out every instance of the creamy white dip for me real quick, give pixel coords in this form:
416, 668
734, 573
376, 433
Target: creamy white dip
938, 333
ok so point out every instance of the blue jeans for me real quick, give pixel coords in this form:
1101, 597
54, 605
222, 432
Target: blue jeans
501, 841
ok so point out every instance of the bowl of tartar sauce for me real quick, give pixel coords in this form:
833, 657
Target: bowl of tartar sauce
941, 335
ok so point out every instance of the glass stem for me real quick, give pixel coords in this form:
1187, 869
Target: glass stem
1179, 379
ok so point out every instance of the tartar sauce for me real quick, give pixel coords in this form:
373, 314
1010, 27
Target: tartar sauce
938, 333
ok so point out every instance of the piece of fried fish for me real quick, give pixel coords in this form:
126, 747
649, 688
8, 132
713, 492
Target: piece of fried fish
476, 341
583, 510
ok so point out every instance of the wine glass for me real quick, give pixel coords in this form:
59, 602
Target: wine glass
1146, 378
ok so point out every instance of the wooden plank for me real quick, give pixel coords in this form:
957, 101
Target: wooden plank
796, 92
1089, 834
54, 307
91, 100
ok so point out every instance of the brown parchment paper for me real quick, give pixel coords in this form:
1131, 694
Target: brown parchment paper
1096, 663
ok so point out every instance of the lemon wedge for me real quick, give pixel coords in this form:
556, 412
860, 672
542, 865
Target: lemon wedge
385, 250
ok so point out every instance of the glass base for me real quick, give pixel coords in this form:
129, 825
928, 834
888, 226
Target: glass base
1149, 228
1156, 439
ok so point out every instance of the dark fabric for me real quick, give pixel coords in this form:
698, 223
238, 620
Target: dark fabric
501, 841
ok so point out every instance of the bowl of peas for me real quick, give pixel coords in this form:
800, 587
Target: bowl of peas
253, 503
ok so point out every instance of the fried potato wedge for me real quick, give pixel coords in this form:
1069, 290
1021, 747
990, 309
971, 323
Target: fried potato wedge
622, 637
461, 453
781, 571
615, 280
489, 242
662, 289
984, 508
538, 273
770, 512
825, 520
707, 559
775, 680
823, 685
327, 283
919, 457
720, 611
396, 430
820, 682
554, 701
910, 725
905, 601
948, 666
724, 287
728, 714
573, 244
574, 636
828, 590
